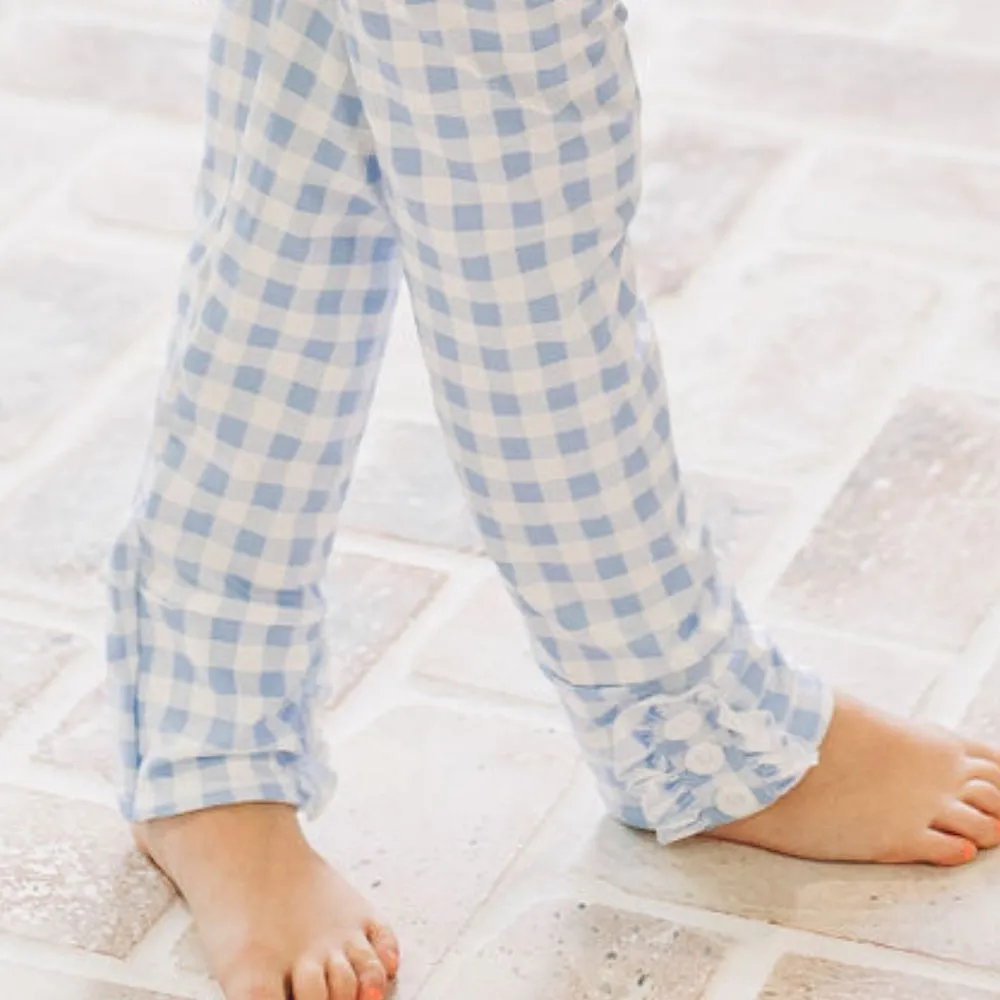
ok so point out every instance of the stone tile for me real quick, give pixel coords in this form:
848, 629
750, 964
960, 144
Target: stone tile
431, 808
818, 79
799, 978
839, 13
121, 67
790, 359
943, 914
697, 179
29, 660
116, 188
188, 955
33, 984
198, 12
485, 645
740, 515
405, 487
973, 356
69, 876
572, 951
404, 388
973, 25
58, 533
372, 601
893, 678
79, 310
84, 741
923, 206
910, 548
37, 149
983, 717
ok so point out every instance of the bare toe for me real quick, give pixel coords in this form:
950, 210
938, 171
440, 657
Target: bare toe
986, 751
372, 980
984, 795
386, 946
945, 849
985, 769
340, 976
967, 821
309, 981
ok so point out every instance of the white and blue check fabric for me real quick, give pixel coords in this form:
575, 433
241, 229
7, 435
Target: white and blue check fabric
487, 152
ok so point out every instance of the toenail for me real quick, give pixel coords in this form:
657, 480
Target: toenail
968, 853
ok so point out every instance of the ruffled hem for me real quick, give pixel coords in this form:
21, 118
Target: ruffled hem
694, 762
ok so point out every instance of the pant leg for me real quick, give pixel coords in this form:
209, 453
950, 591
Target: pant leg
216, 648
508, 131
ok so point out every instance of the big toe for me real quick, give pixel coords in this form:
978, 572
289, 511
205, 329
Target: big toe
386, 946
373, 980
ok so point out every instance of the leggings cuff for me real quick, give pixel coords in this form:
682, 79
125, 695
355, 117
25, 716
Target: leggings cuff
681, 764
164, 789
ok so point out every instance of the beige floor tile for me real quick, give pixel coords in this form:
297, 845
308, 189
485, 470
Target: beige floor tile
798, 978
38, 149
30, 658
945, 914
574, 951
113, 66
84, 741
84, 308
929, 207
741, 516
697, 180
910, 548
792, 357
485, 645
70, 876
371, 603
982, 719
820, 79
894, 679
115, 188
971, 25
58, 533
32, 984
973, 355
431, 809
405, 487
649, 16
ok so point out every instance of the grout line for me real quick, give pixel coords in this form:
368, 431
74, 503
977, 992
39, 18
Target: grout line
74, 786
789, 940
801, 131
152, 955
954, 691
885, 959
746, 969
388, 685
79, 964
47, 616
82, 424
76, 680
818, 493
400, 550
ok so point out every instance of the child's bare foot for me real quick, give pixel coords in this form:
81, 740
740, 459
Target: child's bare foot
276, 922
885, 790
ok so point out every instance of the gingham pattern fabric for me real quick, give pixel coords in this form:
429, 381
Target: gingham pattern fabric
488, 151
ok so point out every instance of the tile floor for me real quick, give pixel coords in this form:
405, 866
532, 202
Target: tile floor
820, 245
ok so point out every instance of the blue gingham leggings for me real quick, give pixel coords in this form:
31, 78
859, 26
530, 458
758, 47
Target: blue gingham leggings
487, 151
